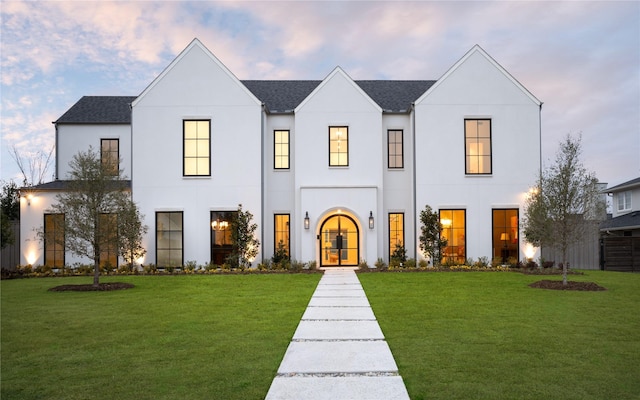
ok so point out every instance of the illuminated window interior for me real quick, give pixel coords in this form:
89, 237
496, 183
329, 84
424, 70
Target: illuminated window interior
396, 231
477, 133
339, 241
281, 232
338, 146
197, 160
221, 241
281, 150
454, 230
505, 234
109, 245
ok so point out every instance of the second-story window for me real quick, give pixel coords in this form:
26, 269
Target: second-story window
281, 149
624, 201
477, 138
109, 155
395, 148
338, 146
197, 148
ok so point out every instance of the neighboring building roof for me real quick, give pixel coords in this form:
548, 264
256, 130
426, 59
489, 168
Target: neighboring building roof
99, 110
278, 97
63, 185
624, 222
624, 186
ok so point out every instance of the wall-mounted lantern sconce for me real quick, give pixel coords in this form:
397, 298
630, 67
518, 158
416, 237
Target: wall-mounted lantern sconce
370, 219
306, 220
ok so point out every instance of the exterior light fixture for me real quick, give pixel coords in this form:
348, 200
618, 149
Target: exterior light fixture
370, 219
306, 220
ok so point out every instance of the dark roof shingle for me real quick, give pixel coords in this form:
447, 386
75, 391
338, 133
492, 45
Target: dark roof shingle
99, 110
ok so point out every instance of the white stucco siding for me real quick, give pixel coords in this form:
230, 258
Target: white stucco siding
476, 89
196, 86
74, 138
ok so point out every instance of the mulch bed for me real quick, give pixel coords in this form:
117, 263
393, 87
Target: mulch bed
102, 287
571, 285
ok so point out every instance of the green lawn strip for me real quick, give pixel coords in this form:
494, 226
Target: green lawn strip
186, 337
486, 335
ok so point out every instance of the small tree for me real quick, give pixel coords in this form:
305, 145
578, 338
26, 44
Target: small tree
130, 232
9, 211
432, 244
245, 244
94, 195
565, 195
399, 254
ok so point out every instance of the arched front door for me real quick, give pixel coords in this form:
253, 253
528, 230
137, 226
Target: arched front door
339, 242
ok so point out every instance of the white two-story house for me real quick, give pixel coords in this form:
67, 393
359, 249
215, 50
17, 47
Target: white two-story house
335, 170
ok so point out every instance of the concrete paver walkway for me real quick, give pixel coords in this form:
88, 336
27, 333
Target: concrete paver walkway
338, 351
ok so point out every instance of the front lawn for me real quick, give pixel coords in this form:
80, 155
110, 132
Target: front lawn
480, 335
170, 337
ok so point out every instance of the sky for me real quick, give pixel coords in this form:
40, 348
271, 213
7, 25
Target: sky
580, 58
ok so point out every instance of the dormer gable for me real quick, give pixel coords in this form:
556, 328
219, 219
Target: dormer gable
343, 88
197, 76
492, 83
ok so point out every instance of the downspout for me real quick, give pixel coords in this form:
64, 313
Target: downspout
55, 124
415, 194
263, 116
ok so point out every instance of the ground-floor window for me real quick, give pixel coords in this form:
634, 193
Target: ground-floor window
454, 230
396, 231
281, 234
54, 240
505, 234
109, 245
169, 239
221, 240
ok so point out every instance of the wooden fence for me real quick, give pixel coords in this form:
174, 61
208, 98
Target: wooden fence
583, 255
10, 255
621, 253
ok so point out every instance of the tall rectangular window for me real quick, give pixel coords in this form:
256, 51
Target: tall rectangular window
221, 241
338, 146
197, 147
54, 240
281, 149
110, 155
395, 148
477, 134
396, 231
169, 239
505, 234
454, 230
624, 201
109, 244
281, 233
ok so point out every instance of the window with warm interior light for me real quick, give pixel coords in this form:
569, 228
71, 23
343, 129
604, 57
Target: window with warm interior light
108, 245
110, 155
169, 238
505, 234
624, 201
281, 149
197, 148
221, 223
54, 240
454, 230
395, 148
396, 231
477, 133
281, 233
338, 146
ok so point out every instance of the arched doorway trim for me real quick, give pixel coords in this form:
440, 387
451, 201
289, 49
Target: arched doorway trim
339, 240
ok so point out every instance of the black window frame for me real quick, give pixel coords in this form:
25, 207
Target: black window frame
184, 155
157, 231
395, 155
276, 232
392, 249
57, 226
106, 165
466, 142
275, 147
346, 128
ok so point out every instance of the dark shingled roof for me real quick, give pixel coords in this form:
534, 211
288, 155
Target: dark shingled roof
99, 110
625, 185
64, 185
623, 222
278, 96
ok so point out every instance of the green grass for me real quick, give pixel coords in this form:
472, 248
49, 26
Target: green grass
172, 337
489, 336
